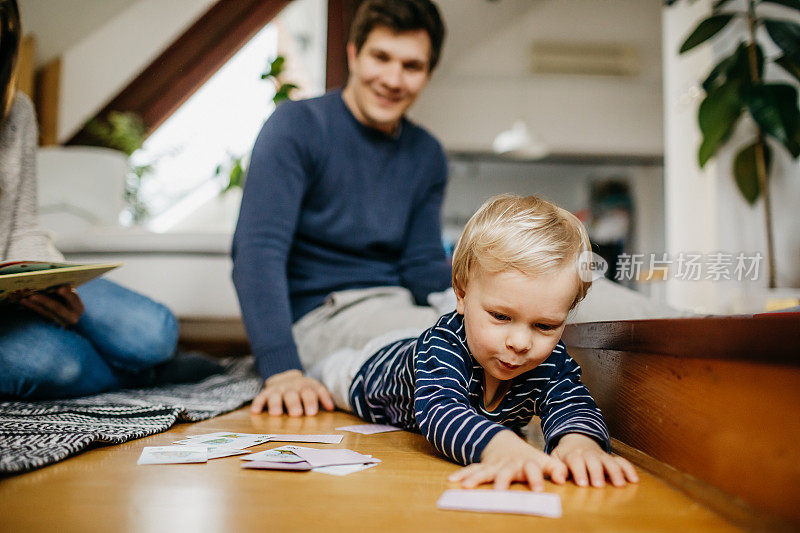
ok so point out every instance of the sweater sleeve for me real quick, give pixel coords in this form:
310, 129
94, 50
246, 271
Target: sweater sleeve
567, 407
423, 266
27, 239
441, 402
277, 177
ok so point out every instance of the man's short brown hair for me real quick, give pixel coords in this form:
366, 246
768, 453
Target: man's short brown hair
399, 16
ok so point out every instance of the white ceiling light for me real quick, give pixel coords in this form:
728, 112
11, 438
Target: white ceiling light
519, 142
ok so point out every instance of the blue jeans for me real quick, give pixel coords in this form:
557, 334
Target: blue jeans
118, 339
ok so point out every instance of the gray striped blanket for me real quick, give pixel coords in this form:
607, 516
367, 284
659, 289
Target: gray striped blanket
36, 434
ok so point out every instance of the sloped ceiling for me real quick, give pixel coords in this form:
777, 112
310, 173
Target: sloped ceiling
58, 24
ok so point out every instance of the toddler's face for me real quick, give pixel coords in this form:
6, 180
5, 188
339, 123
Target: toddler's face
513, 320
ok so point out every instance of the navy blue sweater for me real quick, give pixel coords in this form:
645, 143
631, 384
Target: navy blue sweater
330, 205
433, 384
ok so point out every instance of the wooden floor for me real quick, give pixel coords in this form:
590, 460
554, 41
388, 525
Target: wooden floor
104, 490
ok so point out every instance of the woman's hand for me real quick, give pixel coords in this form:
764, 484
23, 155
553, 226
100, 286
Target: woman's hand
63, 306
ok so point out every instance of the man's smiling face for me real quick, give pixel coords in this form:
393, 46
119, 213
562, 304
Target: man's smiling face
386, 76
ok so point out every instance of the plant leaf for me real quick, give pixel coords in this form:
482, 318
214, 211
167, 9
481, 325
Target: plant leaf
793, 4
735, 68
740, 69
283, 92
718, 114
786, 35
706, 30
276, 66
745, 171
774, 108
789, 66
721, 68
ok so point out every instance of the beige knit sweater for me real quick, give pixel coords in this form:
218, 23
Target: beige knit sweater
21, 237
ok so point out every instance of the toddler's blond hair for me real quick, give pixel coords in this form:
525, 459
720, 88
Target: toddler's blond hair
527, 233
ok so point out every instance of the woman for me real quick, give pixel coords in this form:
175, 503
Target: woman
70, 342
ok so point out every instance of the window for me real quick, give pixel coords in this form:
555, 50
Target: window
223, 118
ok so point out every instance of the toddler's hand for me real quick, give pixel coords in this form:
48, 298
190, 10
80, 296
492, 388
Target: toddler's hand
508, 458
582, 455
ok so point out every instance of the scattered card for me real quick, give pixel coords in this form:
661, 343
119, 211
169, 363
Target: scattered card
276, 455
323, 439
164, 455
271, 465
225, 440
316, 457
368, 429
502, 501
219, 453
343, 470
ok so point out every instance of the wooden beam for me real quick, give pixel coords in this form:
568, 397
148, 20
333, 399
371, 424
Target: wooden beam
191, 60
26, 65
48, 86
340, 16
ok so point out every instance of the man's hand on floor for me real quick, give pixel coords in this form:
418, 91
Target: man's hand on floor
298, 392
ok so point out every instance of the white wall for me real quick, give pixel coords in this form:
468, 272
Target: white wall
484, 83
705, 212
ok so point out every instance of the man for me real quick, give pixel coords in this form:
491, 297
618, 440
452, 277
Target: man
339, 234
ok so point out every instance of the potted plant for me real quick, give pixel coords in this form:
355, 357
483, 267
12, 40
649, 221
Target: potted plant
234, 167
736, 86
123, 131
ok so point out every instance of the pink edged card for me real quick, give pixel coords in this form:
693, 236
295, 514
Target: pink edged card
268, 465
502, 501
316, 457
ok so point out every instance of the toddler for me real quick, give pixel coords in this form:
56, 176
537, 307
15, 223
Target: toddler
475, 379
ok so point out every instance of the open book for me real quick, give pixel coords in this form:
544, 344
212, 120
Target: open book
20, 278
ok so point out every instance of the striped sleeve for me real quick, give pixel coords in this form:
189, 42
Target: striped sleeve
441, 399
567, 406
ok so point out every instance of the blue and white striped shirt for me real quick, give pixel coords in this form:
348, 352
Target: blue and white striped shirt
433, 385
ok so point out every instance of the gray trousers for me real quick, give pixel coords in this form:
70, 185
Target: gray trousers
350, 319
336, 338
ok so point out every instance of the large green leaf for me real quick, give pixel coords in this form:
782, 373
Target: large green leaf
719, 72
789, 66
794, 4
717, 117
786, 35
706, 30
774, 108
736, 68
745, 171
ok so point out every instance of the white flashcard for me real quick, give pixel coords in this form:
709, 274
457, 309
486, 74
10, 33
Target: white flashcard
323, 439
275, 455
368, 429
226, 440
316, 457
219, 453
502, 501
342, 470
164, 455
